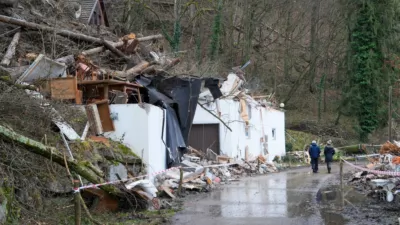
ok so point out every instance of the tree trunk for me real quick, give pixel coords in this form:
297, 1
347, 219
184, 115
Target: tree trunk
67, 33
35, 26
121, 43
131, 72
11, 50
172, 64
54, 155
117, 52
314, 42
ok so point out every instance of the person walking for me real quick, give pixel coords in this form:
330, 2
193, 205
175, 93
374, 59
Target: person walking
329, 151
314, 152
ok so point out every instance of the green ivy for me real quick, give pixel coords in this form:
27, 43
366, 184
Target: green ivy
216, 31
369, 39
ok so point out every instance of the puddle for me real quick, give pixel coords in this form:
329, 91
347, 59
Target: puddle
332, 218
330, 198
332, 195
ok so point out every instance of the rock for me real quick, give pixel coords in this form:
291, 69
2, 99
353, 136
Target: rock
117, 169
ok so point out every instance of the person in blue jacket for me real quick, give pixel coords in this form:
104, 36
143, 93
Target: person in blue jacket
314, 152
329, 151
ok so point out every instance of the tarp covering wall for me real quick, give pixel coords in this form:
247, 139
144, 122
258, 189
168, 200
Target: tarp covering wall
179, 97
185, 92
174, 138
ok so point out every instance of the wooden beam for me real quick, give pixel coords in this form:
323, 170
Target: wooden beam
11, 50
121, 43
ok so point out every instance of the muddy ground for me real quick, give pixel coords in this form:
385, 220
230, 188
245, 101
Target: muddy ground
290, 197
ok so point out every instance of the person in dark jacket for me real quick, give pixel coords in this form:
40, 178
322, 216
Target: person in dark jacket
314, 152
329, 151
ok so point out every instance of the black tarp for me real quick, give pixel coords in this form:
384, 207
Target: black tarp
178, 96
174, 139
184, 91
212, 85
176, 144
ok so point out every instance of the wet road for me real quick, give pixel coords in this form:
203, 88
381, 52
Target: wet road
281, 198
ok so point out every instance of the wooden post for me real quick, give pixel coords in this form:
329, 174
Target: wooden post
341, 183
390, 114
77, 204
180, 181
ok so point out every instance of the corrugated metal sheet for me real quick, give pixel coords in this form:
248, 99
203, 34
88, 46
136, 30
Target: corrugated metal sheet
203, 136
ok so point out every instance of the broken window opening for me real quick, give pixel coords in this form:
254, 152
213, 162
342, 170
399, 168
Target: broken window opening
273, 133
249, 111
247, 131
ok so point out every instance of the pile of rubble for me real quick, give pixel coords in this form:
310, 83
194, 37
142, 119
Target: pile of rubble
381, 186
202, 172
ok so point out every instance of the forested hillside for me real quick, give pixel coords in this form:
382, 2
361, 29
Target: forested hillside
330, 62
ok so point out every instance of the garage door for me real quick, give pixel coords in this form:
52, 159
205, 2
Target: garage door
203, 136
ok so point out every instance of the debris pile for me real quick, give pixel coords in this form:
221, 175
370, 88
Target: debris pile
102, 73
105, 73
202, 172
390, 148
381, 186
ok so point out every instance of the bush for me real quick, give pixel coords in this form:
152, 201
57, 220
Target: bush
289, 147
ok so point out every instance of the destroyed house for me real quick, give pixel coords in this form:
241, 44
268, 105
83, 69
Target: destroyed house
236, 125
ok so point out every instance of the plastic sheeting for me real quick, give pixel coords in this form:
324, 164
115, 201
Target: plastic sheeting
185, 93
212, 85
174, 138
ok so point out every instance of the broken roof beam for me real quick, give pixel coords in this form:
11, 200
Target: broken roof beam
121, 43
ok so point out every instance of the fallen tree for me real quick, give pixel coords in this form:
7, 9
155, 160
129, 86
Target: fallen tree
69, 34
84, 169
133, 42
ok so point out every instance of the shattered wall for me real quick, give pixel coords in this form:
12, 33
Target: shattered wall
140, 128
234, 143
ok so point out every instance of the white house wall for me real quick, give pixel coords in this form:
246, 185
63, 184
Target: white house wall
140, 129
234, 143
275, 119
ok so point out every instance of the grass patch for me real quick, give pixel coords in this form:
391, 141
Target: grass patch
299, 139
